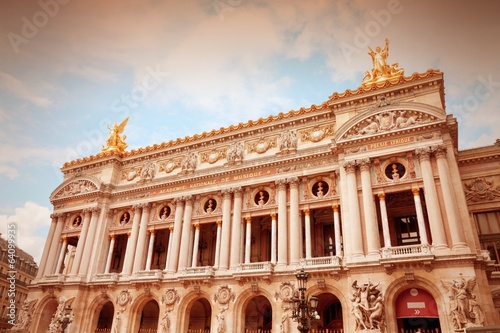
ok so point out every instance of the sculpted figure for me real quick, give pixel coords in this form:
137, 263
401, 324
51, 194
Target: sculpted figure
115, 142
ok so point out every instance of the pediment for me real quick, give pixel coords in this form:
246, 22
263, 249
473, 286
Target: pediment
388, 119
76, 186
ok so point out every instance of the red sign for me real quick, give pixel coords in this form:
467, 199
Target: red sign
416, 303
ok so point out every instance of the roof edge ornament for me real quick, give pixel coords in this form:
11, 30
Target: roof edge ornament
381, 70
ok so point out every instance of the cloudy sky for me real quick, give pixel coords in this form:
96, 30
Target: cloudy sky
70, 67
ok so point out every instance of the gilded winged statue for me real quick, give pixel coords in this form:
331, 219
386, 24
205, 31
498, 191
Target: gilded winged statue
116, 141
381, 70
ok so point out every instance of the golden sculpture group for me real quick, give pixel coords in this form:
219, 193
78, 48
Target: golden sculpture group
381, 70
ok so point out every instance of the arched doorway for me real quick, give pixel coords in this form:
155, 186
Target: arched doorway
105, 320
330, 311
46, 316
149, 317
258, 315
199, 316
416, 308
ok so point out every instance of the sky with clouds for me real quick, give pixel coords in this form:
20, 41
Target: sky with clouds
68, 68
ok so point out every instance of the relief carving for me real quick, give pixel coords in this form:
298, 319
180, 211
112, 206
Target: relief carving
263, 145
481, 189
316, 134
367, 307
287, 142
169, 166
388, 120
78, 187
212, 156
465, 311
188, 164
234, 153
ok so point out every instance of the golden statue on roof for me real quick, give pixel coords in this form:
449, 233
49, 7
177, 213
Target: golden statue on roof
115, 142
381, 70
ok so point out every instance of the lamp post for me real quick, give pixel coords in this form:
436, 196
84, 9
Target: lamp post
65, 318
304, 312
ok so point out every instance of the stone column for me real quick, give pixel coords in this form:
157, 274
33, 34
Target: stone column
62, 254
81, 242
90, 240
248, 239
385, 221
226, 229
109, 258
273, 238
432, 200
235, 258
307, 228
169, 248
128, 263
217, 244
295, 223
151, 248
420, 216
449, 198
282, 223
173, 255
336, 229
140, 255
186, 234
50, 239
355, 232
196, 243
371, 225
58, 219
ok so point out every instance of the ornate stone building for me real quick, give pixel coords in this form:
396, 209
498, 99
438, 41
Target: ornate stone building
367, 192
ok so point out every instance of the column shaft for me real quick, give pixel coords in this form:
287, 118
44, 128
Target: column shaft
235, 258
307, 228
173, 255
196, 243
355, 232
248, 239
273, 238
371, 225
226, 229
151, 247
431, 198
48, 246
450, 200
89, 242
217, 244
186, 234
110, 254
385, 221
420, 217
295, 225
128, 264
140, 255
81, 243
336, 228
61, 255
282, 225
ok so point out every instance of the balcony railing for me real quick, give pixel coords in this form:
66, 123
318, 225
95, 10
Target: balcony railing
320, 261
203, 271
265, 266
406, 251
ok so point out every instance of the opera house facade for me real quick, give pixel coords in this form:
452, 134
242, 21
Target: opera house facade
367, 193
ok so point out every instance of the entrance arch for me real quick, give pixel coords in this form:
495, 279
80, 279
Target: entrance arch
105, 320
200, 316
149, 317
46, 315
258, 315
416, 308
330, 311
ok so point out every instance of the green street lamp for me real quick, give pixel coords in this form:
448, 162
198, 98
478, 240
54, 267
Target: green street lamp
304, 312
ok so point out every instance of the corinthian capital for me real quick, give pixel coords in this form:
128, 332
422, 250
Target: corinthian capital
349, 166
439, 151
364, 164
281, 183
423, 153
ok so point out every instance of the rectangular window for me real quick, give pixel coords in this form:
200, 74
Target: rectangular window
407, 230
488, 227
